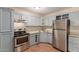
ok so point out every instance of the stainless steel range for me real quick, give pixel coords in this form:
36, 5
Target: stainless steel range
21, 41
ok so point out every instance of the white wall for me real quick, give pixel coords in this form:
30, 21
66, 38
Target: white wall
69, 10
23, 11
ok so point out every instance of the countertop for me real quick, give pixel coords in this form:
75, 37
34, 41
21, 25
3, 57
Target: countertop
73, 33
33, 32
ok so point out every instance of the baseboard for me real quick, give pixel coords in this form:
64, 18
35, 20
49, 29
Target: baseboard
45, 43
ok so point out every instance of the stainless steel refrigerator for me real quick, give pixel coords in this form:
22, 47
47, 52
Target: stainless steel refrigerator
60, 34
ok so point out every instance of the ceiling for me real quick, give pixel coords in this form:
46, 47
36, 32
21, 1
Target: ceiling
43, 10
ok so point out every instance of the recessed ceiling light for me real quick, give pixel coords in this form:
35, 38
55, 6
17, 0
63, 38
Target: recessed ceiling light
36, 7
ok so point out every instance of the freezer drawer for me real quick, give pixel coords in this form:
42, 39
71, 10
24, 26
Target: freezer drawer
60, 40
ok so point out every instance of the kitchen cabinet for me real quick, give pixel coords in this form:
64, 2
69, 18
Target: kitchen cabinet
5, 19
17, 15
40, 37
36, 20
46, 37
49, 38
34, 38
74, 44
29, 20
6, 42
33, 21
48, 20
37, 37
43, 37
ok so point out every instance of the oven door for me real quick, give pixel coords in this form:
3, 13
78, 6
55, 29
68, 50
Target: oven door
21, 43
20, 40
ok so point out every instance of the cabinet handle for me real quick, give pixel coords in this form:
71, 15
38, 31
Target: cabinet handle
35, 38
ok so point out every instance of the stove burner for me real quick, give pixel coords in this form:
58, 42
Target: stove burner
20, 33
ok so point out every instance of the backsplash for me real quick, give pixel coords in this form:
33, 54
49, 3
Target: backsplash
38, 28
22, 26
18, 26
32, 28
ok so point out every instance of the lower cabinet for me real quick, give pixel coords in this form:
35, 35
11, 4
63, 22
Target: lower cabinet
6, 42
34, 38
40, 37
49, 38
43, 37
73, 44
37, 37
46, 37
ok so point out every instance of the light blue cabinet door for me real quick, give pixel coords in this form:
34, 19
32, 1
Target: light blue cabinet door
6, 42
48, 20
17, 16
32, 39
30, 21
5, 19
33, 21
46, 37
43, 37
37, 38
50, 38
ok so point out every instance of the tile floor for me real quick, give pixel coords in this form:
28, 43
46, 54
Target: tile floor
42, 47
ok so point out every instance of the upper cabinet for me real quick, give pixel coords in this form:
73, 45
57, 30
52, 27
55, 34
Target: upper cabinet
28, 19
33, 21
5, 19
17, 16
48, 20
